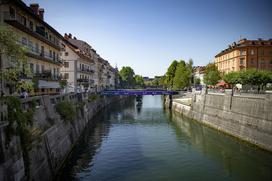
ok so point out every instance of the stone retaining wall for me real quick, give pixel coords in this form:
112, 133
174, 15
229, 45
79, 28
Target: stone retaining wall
247, 118
57, 139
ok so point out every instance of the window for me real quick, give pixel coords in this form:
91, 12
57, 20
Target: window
37, 68
11, 12
31, 25
30, 45
66, 53
241, 61
37, 48
54, 55
252, 61
262, 61
42, 68
66, 76
23, 20
42, 51
242, 52
251, 52
50, 53
24, 41
66, 64
271, 62
31, 66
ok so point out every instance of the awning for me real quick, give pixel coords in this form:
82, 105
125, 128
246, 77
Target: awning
48, 85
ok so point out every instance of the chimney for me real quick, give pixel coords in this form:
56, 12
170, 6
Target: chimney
66, 36
41, 13
70, 35
35, 8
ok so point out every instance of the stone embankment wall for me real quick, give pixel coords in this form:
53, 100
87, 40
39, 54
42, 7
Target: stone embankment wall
55, 141
248, 117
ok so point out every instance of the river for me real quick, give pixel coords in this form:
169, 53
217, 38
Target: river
148, 143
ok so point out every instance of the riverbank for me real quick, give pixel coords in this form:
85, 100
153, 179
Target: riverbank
54, 135
248, 118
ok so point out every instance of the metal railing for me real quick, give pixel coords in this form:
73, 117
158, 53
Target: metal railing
43, 54
86, 70
47, 74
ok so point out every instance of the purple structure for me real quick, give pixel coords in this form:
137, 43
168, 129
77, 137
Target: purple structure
138, 92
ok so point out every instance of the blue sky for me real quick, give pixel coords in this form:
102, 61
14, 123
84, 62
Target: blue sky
148, 34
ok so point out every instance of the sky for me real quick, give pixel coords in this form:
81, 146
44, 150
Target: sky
148, 35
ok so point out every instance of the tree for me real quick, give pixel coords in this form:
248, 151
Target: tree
170, 74
139, 81
183, 75
197, 81
211, 74
17, 68
127, 77
233, 78
259, 78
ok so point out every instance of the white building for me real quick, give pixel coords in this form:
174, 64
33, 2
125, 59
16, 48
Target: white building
198, 72
78, 69
99, 72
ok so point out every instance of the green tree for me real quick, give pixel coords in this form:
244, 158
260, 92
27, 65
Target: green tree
139, 81
259, 78
233, 78
170, 74
16, 68
183, 75
211, 74
197, 81
127, 77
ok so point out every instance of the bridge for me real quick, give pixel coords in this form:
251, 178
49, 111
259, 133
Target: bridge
138, 92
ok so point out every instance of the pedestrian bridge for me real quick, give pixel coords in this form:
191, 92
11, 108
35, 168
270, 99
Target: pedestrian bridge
138, 92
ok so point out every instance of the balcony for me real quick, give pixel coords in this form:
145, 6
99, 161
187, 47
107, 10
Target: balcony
41, 55
18, 23
47, 75
85, 81
85, 70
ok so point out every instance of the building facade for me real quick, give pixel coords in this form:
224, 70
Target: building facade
245, 54
101, 75
198, 73
41, 41
77, 69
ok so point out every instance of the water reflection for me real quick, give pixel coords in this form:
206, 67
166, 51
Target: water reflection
130, 142
239, 160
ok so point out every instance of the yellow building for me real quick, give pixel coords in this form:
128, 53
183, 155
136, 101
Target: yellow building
245, 54
41, 40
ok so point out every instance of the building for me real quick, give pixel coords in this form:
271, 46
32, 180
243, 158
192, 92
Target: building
245, 54
40, 39
100, 72
198, 73
78, 67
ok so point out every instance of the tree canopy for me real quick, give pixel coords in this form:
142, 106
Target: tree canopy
178, 75
249, 77
139, 81
17, 65
127, 77
211, 74
170, 74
